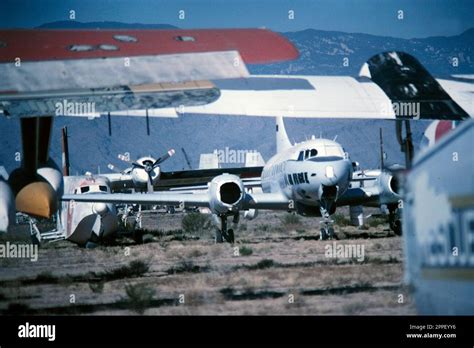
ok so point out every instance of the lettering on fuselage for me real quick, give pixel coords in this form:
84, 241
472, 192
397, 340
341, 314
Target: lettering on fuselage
297, 178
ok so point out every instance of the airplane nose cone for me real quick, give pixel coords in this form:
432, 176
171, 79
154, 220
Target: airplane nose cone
100, 208
37, 199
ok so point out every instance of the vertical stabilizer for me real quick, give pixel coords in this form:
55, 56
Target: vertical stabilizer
209, 161
282, 141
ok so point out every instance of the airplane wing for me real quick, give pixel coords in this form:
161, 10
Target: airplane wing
392, 85
359, 196
187, 179
168, 198
199, 199
45, 71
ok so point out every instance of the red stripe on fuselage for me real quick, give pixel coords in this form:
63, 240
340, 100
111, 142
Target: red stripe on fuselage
254, 45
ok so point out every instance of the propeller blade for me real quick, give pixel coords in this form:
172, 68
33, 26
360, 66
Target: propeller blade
164, 157
138, 165
149, 185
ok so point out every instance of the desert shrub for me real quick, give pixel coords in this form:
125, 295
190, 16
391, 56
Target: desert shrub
291, 219
186, 266
135, 268
97, 287
46, 277
263, 227
196, 223
139, 297
341, 220
262, 264
245, 251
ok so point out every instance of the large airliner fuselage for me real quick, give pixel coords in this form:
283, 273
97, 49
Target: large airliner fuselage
312, 174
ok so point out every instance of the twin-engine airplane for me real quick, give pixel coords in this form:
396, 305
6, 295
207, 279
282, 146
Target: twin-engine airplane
311, 178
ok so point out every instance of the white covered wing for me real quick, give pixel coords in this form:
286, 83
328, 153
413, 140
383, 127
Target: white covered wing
196, 199
313, 96
274, 201
92, 86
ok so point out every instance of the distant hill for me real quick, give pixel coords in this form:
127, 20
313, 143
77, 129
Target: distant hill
322, 53
102, 25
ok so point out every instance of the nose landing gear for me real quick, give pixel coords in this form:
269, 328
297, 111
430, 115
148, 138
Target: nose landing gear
224, 233
327, 230
327, 207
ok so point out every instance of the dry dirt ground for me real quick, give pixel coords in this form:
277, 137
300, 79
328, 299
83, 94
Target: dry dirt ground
276, 267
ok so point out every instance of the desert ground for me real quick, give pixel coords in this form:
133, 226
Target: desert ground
277, 266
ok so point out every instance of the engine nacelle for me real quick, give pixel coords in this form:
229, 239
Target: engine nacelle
389, 188
140, 176
227, 193
251, 214
37, 194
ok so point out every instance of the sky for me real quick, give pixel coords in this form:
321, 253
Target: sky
421, 18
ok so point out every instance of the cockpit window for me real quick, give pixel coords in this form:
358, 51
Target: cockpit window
84, 189
313, 153
103, 188
301, 156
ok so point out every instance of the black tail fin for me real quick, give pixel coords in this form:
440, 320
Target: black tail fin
406, 82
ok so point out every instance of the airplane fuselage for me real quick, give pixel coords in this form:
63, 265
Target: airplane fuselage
84, 222
309, 173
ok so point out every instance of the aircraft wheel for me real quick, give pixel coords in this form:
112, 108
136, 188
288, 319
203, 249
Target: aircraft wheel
331, 234
229, 236
323, 234
396, 227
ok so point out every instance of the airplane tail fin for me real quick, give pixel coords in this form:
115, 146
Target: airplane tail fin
254, 159
406, 82
282, 141
209, 161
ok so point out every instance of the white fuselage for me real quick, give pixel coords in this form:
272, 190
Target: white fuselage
84, 222
305, 171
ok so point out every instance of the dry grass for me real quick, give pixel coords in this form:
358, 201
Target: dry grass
273, 261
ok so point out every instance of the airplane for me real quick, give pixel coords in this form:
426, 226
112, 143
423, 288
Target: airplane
50, 73
311, 178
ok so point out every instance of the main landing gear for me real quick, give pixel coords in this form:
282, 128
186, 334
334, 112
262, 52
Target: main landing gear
224, 233
394, 219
